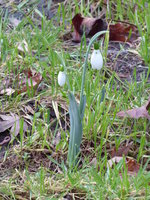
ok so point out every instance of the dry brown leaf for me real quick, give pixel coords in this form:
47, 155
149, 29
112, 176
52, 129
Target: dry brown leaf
122, 150
32, 80
131, 165
11, 122
114, 160
121, 31
88, 25
136, 113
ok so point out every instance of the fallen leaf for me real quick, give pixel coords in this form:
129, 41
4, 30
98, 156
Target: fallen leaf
32, 80
88, 25
56, 139
131, 165
122, 31
123, 75
11, 122
7, 91
15, 22
5, 83
22, 46
93, 162
122, 150
136, 113
29, 109
114, 160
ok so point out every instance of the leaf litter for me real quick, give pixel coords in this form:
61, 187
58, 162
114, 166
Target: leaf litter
28, 79
11, 122
117, 156
123, 40
136, 113
131, 165
123, 32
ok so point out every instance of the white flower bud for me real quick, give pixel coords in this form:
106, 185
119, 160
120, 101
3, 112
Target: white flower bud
61, 78
96, 60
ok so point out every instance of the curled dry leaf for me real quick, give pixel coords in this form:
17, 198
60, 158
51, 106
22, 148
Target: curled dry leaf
114, 160
33, 79
122, 150
11, 122
136, 113
122, 31
88, 25
131, 165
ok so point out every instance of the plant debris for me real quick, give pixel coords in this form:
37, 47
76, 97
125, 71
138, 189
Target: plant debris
131, 165
11, 122
136, 113
31, 81
123, 32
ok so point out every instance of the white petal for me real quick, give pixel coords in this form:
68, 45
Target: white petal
61, 78
96, 60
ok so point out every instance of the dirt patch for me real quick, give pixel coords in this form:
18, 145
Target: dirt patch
126, 62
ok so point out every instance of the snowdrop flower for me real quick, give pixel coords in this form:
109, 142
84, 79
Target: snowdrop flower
96, 58
61, 78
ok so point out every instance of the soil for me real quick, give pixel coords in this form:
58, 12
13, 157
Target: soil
128, 65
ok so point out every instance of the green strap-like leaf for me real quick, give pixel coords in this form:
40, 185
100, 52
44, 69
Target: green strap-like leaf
82, 107
103, 94
75, 131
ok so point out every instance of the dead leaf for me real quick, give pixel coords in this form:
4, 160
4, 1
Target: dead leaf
131, 165
88, 25
122, 150
93, 162
5, 83
11, 122
114, 160
121, 31
15, 22
22, 46
136, 113
7, 91
32, 80
56, 139
123, 75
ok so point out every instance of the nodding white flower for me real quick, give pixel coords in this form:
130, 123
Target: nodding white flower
61, 78
96, 59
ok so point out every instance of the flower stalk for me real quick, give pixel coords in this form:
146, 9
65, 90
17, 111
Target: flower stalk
85, 64
76, 111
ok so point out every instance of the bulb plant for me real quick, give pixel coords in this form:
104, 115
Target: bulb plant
76, 111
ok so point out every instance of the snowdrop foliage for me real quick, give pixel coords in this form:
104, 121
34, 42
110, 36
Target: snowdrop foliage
61, 78
96, 59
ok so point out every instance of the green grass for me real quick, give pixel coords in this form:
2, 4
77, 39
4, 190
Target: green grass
35, 168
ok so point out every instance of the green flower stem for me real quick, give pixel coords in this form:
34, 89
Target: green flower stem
85, 66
